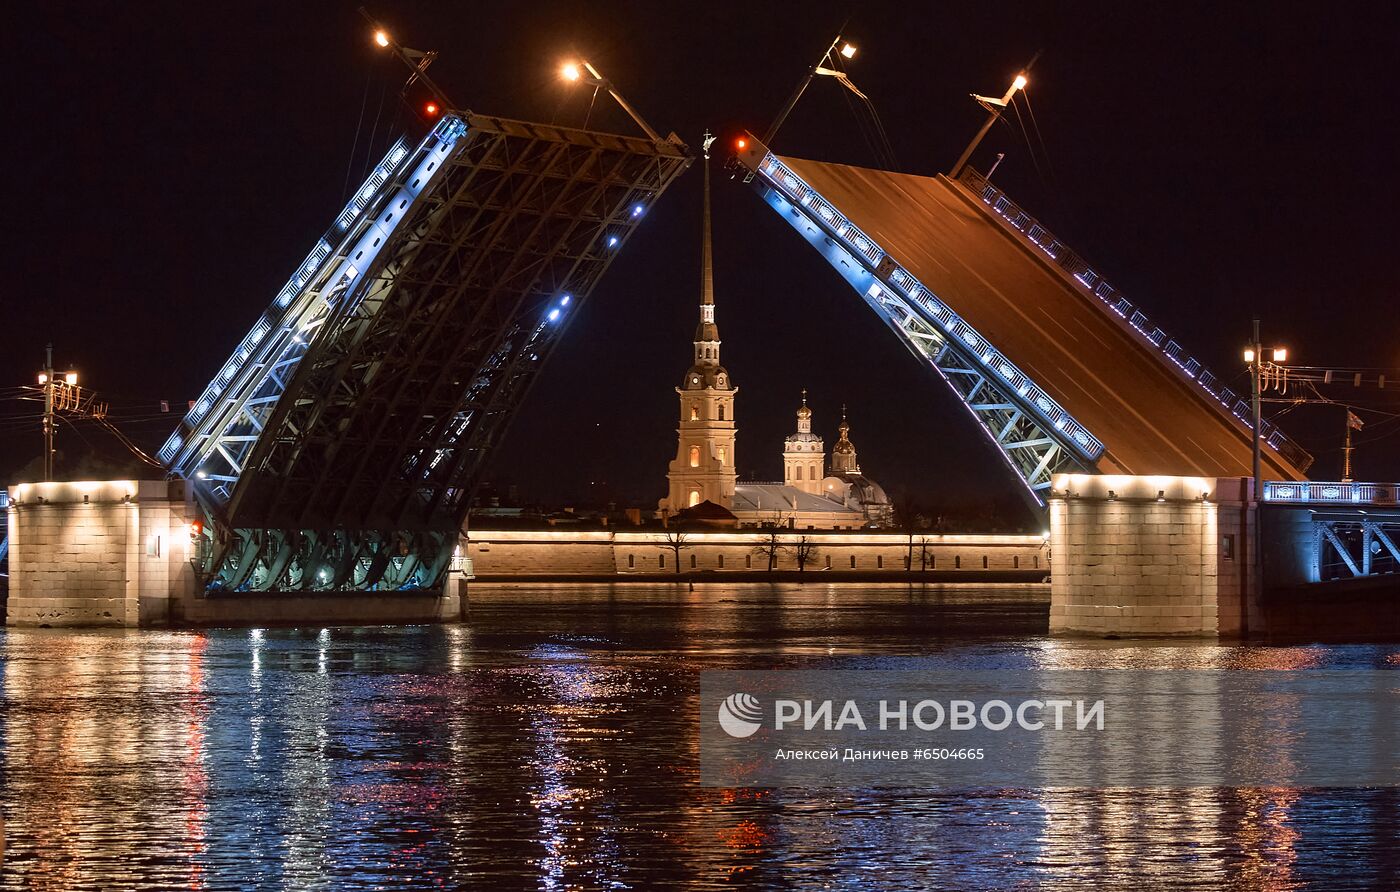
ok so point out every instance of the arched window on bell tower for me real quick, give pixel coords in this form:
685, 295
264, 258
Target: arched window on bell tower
694, 411
694, 497
721, 411
695, 456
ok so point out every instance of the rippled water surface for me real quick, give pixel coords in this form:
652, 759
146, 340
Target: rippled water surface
550, 742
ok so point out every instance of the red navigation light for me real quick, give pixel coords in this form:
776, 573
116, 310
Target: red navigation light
430, 109
742, 143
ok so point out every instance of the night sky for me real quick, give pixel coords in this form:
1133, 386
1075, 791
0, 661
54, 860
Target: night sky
170, 164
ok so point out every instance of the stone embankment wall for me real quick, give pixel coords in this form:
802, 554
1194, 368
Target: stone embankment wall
549, 553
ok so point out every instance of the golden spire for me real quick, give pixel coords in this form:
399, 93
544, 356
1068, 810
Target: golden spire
707, 273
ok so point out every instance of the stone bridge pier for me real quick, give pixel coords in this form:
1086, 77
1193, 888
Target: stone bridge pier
1150, 556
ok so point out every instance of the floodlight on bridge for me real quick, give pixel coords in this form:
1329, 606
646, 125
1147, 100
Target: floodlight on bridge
849, 51
381, 37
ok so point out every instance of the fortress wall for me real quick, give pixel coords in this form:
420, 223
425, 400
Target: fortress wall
497, 554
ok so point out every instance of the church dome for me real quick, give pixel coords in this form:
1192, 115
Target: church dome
866, 492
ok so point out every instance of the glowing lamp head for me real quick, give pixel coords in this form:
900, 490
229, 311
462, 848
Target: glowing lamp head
1280, 354
1019, 83
71, 378
612, 241
553, 315
430, 109
741, 143
570, 72
381, 37
849, 51
1248, 354
43, 378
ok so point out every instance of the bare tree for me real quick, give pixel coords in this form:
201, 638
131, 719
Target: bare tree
677, 541
805, 551
926, 553
772, 547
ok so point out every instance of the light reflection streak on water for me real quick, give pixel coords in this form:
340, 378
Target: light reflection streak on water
551, 743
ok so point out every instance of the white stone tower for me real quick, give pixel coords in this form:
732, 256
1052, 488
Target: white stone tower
703, 468
802, 454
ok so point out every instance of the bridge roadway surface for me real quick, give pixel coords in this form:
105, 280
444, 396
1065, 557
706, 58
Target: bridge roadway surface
1150, 417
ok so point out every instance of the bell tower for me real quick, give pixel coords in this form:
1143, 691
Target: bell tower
803, 457
843, 454
703, 468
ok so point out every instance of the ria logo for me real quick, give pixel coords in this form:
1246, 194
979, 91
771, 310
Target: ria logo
740, 715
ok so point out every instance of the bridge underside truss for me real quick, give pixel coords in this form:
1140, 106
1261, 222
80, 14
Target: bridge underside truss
1350, 547
341, 445
1035, 436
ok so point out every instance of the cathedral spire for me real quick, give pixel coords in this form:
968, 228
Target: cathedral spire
707, 333
707, 270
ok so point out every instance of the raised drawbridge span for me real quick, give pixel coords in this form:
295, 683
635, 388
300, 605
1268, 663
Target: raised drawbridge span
1059, 369
339, 446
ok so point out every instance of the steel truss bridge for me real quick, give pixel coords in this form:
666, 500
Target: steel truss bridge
1060, 370
339, 446
1344, 530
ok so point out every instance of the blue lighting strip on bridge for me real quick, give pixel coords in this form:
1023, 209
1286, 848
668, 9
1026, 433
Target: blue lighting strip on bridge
1089, 279
225, 421
1054, 440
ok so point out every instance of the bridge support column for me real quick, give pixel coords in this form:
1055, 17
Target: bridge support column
98, 553
1150, 556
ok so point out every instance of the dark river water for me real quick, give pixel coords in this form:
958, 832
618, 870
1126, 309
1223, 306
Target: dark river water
550, 742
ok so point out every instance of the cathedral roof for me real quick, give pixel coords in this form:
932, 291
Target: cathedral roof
776, 498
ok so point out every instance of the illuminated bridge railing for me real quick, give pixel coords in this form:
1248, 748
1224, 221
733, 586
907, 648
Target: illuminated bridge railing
1090, 280
271, 318
992, 359
1331, 493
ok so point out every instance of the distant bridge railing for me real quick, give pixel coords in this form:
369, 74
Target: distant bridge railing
1382, 494
1090, 280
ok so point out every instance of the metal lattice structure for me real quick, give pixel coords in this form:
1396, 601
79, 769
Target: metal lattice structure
338, 449
1354, 527
1037, 437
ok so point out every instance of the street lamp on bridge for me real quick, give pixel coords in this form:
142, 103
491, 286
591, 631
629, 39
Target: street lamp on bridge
583, 71
1260, 370
994, 109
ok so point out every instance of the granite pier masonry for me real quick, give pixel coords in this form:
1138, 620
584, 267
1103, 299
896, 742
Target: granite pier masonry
1150, 556
98, 553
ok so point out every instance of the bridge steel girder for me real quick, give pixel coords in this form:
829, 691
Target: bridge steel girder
1356, 543
1034, 435
340, 446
